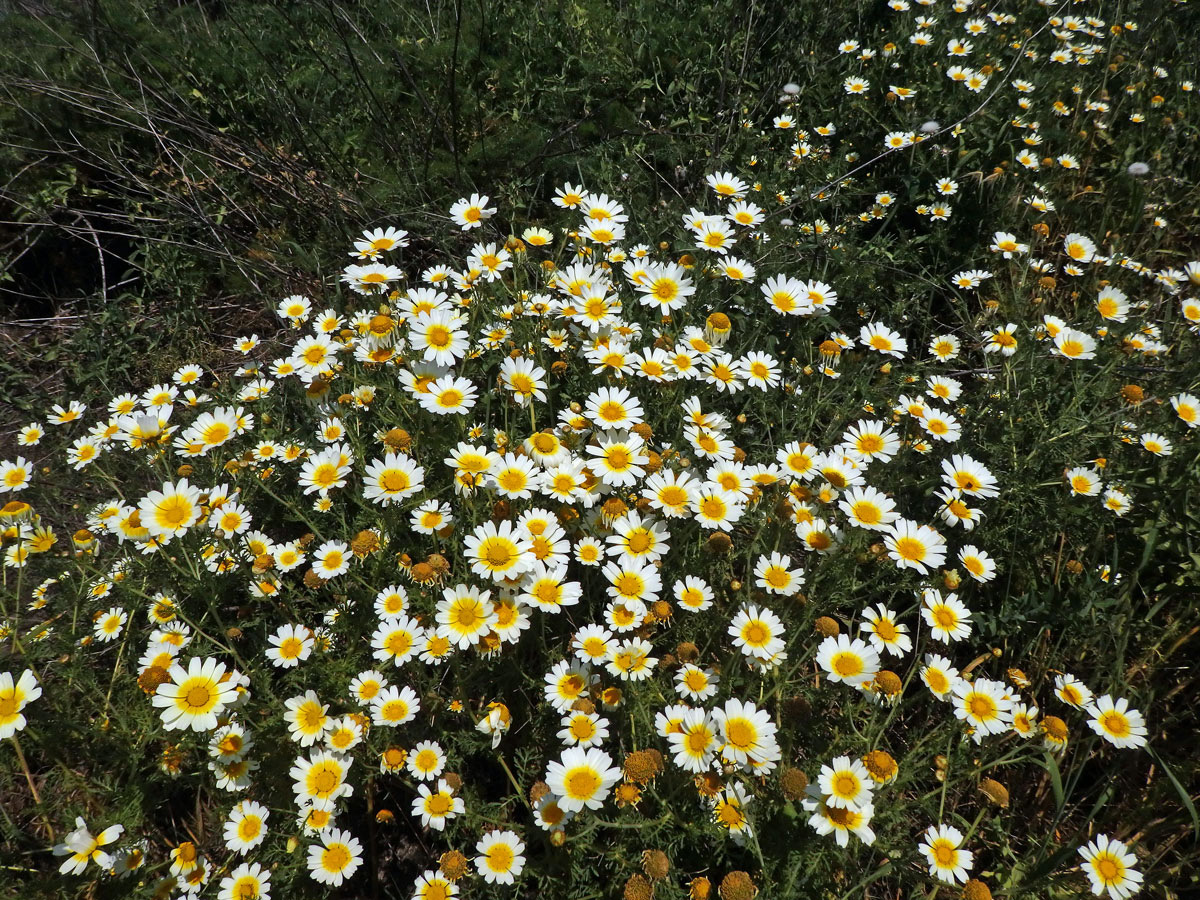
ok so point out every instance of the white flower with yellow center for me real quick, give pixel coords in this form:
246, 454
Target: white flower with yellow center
729, 811
324, 471
515, 477
747, 731
171, 511
438, 336
694, 741
307, 718
978, 563
15, 693
246, 826
939, 676
611, 408
426, 761
583, 729
774, 574
639, 581
913, 546
548, 588
670, 492
985, 706
1114, 721
1074, 344
471, 212
249, 881
885, 633
1072, 691
80, 847
846, 783
344, 734
618, 458
757, 632
397, 638
438, 805
737, 269
1112, 304
948, 619
866, 507
869, 440
431, 516
464, 614
840, 821
696, 684
499, 552
336, 858
631, 660
392, 479
449, 395
108, 626
1109, 867
582, 778
787, 296
526, 380
1024, 719
566, 683
846, 660
195, 696
501, 857
798, 460
716, 508
592, 643
726, 184
948, 863
366, 686
331, 559
395, 706
1187, 407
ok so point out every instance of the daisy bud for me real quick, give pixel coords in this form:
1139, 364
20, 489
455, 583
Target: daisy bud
994, 791
149, 680
398, 439
539, 790
888, 683
826, 626
882, 766
643, 766
718, 544
637, 888
793, 783
797, 709
737, 885
655, 864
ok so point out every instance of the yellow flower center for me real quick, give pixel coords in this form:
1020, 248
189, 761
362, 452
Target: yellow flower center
336, 858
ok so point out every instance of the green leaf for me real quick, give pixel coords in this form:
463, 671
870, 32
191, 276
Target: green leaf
1183, 794
1055, 781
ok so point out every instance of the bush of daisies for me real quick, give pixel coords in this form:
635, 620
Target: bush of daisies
704, 551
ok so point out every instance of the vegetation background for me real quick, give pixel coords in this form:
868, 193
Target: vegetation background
170, 165
168, 170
